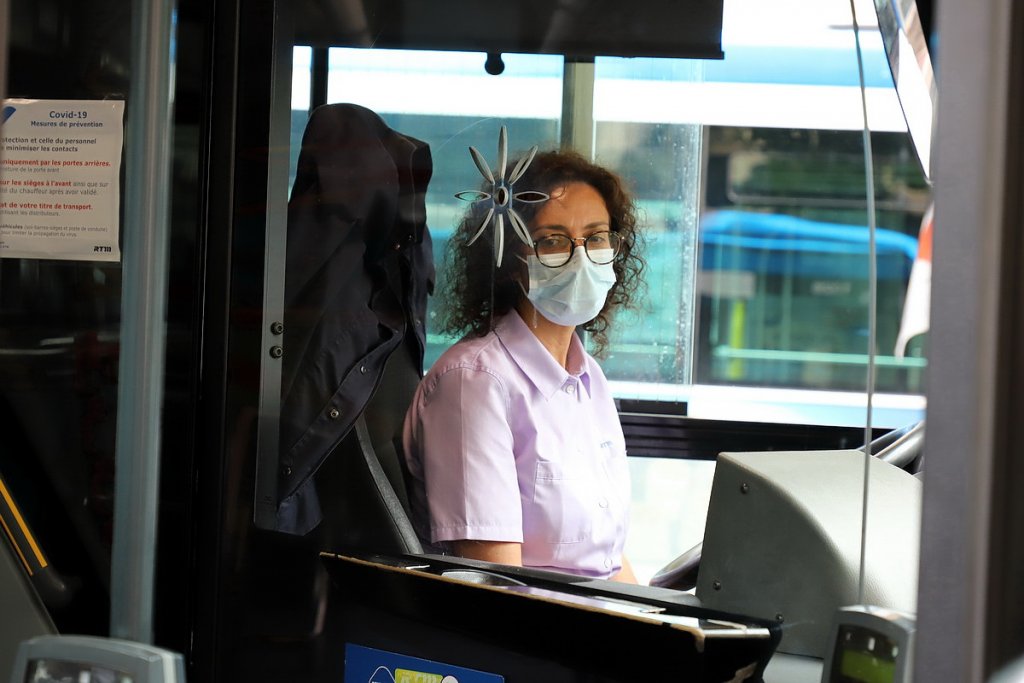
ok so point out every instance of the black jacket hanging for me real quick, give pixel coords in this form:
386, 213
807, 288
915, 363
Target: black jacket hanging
359, 269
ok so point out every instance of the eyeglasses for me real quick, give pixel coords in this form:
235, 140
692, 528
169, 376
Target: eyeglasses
554, 251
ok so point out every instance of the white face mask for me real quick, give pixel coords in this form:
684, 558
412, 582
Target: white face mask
572, 294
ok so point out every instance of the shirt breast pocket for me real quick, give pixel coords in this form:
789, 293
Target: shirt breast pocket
560, 500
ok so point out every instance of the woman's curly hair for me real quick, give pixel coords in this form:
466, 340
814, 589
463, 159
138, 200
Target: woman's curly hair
475, 291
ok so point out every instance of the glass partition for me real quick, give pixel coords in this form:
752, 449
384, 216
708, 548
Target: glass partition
60, 297
749, 174
770, 240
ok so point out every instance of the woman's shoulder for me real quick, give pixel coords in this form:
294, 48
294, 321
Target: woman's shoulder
478, 355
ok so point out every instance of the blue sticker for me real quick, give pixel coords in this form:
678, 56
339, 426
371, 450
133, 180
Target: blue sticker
368, 665
8, 111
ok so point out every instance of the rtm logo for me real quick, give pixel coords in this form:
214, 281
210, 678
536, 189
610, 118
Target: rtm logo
105, 250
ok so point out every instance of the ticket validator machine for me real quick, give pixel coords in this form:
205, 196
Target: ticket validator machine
88, 659
870, 645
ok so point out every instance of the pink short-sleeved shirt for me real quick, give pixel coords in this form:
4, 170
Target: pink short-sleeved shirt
503, 444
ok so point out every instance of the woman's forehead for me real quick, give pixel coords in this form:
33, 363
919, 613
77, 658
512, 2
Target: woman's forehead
574, 205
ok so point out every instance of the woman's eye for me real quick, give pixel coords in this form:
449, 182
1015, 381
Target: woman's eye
598, 240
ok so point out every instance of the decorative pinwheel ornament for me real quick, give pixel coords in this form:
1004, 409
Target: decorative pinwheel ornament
502, 196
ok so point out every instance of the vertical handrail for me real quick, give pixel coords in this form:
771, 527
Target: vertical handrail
869, 172
143, 305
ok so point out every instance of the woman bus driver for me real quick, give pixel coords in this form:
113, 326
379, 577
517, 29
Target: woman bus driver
513, 442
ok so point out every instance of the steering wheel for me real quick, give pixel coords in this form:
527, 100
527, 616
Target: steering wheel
680, 573
905, 451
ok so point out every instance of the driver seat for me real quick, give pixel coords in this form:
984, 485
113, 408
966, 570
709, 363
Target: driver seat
362, 486
359, 269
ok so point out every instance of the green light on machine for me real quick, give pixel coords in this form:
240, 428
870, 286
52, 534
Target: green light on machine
862, 667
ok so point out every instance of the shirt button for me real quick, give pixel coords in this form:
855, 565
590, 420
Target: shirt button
608, 563
570, 388
334, 413
603, 502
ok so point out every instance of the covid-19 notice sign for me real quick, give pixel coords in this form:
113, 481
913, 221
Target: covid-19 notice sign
60, 163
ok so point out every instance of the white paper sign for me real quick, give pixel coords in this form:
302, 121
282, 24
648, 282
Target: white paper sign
60, 195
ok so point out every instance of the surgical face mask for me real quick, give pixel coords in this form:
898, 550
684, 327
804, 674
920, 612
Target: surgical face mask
572, 294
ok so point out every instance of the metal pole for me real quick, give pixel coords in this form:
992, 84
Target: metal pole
268, 446
578, 107
143, 303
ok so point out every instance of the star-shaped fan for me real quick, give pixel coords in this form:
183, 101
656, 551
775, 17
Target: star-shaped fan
502, 196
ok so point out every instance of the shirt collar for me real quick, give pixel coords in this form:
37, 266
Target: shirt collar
534, 360
579, 362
